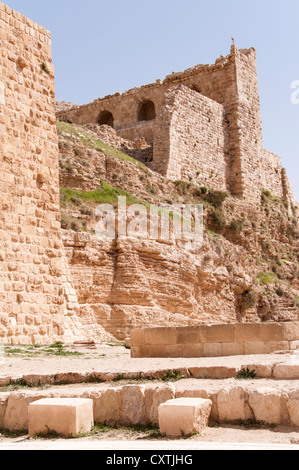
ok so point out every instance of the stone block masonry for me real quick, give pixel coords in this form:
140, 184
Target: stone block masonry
215, 340
33, 274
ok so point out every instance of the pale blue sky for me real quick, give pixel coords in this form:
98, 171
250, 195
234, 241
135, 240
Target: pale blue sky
105, 46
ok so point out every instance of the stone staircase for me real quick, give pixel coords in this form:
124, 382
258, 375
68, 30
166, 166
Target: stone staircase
264, 391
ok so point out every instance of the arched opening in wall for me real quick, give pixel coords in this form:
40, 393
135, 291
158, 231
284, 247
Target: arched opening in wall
105, 117
146, 111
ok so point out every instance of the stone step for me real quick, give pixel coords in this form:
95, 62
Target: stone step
285, 368
271, 401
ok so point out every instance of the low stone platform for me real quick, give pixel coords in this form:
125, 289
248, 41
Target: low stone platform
215, 340
113, 364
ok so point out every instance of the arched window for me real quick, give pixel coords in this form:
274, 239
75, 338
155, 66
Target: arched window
146, 111
105, 117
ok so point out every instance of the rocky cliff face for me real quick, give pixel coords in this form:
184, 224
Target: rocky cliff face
246, 270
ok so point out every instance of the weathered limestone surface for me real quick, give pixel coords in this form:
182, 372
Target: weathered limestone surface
184, 416
35, 295
65, 416
131, 283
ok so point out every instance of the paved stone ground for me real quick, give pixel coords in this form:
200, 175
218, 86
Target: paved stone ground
106, 358
220, 438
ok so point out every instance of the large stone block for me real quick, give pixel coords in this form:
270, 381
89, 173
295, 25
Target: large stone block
293, 408
137, 337
233, 349
184, 416
248, 332
217, 334
193, 350
291, 331
286, 371
272, 332
133, 408
188, 335
107, 407
157, 336
214, 372
155, 397
266, 405
65, 416
212, 349
257, 347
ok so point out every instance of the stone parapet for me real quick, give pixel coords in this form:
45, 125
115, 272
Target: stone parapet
215, 340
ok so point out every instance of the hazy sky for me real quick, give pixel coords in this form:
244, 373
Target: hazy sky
105, 46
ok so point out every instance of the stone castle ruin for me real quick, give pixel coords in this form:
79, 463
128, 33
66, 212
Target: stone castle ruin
204, 124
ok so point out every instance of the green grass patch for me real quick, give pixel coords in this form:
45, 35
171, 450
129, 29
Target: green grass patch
172, 376
150, 430
106, 194
236, 226
117, 344
217, 220
253, 424
249, 299
296, 301
80, 134
57, 349
246, 374
266, 278
12, 434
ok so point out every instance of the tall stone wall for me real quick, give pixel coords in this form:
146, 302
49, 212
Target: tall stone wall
248, 125
271, 173
36, 301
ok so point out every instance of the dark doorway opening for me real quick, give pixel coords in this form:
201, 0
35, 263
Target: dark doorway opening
146, 111
107, 118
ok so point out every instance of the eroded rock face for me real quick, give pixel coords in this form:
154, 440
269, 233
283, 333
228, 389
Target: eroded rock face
128, 283
240, 274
